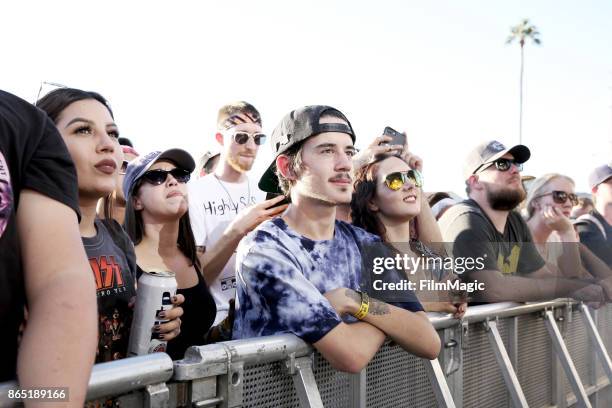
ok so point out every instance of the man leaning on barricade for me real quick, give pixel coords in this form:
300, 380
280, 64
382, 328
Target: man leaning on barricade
487, 227
301, 273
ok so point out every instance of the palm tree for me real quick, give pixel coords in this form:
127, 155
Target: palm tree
522, 32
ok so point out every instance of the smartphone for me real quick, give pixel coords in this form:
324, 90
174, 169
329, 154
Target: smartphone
270, 196
397, 138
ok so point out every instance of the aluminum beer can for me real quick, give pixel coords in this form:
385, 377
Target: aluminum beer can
153, 295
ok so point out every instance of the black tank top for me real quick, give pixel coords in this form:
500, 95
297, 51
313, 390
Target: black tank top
199, 311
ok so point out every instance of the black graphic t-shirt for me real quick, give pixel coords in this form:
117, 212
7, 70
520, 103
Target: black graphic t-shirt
473, 235
32, 156
113, 264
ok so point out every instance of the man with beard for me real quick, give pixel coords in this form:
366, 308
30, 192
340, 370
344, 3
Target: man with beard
302, 273
486, 228
226, 204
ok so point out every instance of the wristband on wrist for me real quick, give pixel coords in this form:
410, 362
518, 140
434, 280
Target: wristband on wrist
364, 307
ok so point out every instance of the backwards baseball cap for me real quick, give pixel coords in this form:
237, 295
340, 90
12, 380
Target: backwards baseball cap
296, 127
490, 151
139, 166
599, 175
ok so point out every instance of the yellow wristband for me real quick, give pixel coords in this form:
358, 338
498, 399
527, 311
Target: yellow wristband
364, 307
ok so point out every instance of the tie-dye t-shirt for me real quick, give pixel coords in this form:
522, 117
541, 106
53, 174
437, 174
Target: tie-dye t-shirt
282, 276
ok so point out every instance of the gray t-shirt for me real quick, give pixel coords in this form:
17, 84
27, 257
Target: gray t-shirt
113, 263
469, 231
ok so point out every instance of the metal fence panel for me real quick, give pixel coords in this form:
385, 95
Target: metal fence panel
268, 385
577, 341
397, 379
534, 360
334, 386
483, 383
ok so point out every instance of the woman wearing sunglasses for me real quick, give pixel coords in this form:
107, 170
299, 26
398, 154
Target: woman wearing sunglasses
549, 206
86, 124
157, 220
387, 197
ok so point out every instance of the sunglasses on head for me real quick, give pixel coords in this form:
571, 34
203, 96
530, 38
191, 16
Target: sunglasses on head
243, 137
396, 180
501, 165
560, 197
159, 176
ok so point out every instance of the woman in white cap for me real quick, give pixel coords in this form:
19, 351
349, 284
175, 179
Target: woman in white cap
86, 123
549, 205
157, 220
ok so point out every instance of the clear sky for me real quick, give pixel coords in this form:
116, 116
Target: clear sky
439, 70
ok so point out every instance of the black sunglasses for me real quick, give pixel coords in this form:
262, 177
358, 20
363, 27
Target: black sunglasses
560, 197
396, 180
159, 176
243, 137
501, 165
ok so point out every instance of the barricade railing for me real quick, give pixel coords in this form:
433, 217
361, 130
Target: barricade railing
500, 355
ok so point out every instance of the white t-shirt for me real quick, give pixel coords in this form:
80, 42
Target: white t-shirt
213, 205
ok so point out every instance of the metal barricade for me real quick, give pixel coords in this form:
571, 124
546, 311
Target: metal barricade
500, 355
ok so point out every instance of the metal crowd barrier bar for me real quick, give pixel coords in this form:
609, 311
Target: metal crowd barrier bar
148, 372
499, 355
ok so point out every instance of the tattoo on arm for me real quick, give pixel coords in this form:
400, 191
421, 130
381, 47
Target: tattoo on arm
351, 294
377, 308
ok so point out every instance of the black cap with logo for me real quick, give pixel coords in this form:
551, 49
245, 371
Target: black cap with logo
296, 127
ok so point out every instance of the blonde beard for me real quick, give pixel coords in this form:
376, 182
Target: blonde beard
234, 164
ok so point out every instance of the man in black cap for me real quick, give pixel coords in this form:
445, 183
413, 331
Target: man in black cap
301, 273
486, 227
595, 229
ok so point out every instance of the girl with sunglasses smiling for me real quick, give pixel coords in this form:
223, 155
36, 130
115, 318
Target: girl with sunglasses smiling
387, 199
86, 123
548, 206
157, 220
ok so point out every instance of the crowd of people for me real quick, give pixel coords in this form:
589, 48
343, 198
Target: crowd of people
288, 253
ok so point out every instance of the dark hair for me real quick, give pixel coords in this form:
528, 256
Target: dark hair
436, 197
294, 153
585, 202
135, 228
364, 190
227, 115
57, 100
124, 141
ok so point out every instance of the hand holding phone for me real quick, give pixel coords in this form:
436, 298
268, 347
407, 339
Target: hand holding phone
397, 138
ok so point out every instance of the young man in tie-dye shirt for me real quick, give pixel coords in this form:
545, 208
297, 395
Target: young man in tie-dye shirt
302, 273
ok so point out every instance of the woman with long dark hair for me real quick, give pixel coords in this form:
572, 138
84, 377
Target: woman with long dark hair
157, 220
387, 197
86, 123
